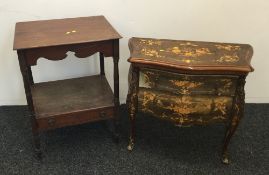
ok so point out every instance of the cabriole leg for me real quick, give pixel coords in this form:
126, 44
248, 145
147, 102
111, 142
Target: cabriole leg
132, 102
237, 114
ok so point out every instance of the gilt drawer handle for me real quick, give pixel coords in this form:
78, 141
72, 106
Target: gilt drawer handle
51, 122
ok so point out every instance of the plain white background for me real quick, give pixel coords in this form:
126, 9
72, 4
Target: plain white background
239, 21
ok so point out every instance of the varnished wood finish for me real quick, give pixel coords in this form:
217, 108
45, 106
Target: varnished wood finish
56, 32
66, 101
188, 83
71, 95
191, 55
59, 52
28, 82
75, 101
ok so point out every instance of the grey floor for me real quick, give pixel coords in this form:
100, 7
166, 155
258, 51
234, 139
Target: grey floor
160, 148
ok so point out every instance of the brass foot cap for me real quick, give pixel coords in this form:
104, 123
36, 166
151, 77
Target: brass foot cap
225, 160
130, 147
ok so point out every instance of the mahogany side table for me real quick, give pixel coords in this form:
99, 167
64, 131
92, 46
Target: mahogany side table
188, 83
74, 101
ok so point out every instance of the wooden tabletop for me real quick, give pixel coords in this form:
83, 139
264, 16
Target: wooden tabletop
44, 33
191, 55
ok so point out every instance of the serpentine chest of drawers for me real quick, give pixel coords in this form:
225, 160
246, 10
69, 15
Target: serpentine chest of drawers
188, 83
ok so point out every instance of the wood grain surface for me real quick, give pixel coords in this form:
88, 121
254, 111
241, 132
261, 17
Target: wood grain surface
71, 95
35, 34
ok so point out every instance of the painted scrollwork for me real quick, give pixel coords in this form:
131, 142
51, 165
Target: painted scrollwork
228, 47
151, 53
228, 58
189, 52
150, 42
185, 86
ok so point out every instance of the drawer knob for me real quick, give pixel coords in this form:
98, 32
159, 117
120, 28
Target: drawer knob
102, 114
51, 122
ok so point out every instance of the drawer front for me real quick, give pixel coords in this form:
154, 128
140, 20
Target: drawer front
184, 109
75, 118
184, 84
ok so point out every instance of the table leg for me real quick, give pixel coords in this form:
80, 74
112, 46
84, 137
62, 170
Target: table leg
102, 64
116, 89
28, 81
237, 114
132, 102
31, 80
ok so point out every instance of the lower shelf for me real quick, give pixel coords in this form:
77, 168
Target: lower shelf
72, 101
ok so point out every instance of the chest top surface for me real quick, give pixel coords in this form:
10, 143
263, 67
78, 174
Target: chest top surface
191, 55
44, 33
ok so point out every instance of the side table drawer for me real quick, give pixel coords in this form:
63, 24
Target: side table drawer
184, 109
185, 84
51, 122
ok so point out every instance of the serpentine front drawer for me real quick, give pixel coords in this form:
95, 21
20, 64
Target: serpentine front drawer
186, 84
184, 109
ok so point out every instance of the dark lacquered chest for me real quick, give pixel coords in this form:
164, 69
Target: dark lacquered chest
188, 83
